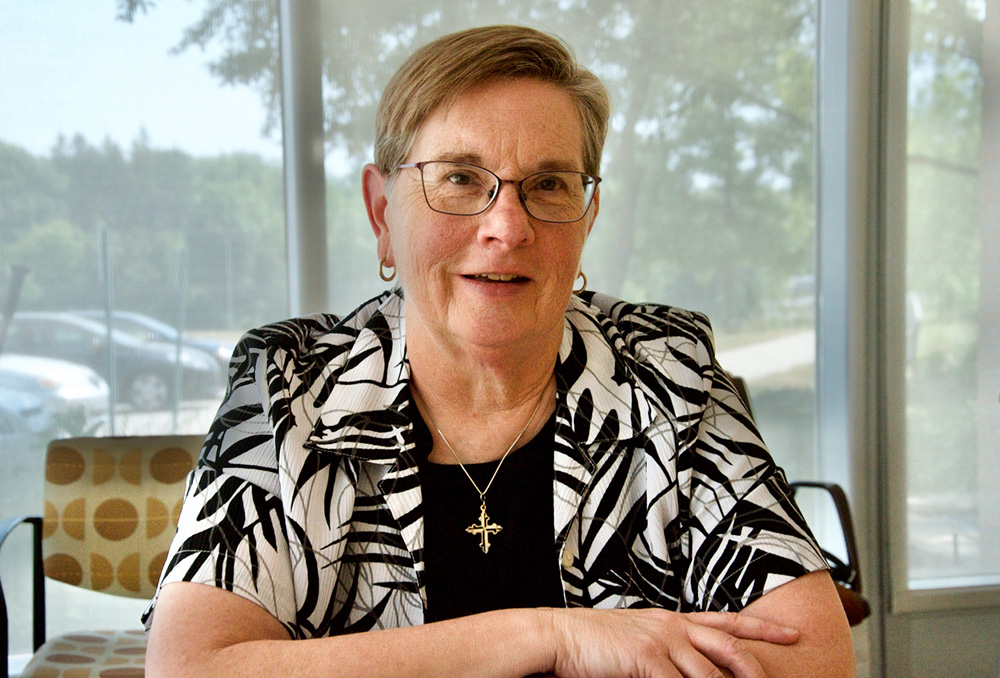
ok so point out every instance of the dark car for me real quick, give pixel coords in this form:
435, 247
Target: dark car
145, 328
145, 372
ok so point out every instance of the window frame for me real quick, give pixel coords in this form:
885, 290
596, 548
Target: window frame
890, 324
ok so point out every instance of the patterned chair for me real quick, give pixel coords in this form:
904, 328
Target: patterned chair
111, 506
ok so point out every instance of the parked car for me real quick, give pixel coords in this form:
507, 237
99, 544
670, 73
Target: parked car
62, 387
145, 372
145, 328
24, 421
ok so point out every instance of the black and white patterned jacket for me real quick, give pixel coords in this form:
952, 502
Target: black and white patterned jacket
306, 498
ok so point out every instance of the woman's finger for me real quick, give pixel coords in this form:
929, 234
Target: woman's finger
746, 626
688, 662
712, 648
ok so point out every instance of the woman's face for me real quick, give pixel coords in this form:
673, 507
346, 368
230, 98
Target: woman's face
500, 278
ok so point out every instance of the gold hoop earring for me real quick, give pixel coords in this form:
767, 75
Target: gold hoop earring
584, 285
381, 272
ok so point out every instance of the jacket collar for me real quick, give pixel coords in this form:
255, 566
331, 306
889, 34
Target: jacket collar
366, 416
598, 382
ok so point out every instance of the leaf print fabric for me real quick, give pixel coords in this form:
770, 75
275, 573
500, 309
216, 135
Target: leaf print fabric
306, 498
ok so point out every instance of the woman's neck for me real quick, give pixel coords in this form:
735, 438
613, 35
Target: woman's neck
480, 399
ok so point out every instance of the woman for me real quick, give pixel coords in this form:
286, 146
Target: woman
480, 467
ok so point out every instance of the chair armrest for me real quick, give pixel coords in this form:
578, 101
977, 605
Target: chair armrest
38, 587
856, 607
848, 573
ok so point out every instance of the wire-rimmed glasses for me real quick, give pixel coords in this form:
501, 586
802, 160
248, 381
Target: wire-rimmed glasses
461, 189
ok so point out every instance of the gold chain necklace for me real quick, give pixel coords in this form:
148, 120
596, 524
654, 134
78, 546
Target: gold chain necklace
484, 528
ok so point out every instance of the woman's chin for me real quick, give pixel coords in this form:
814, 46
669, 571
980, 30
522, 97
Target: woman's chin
518, 339
518, 323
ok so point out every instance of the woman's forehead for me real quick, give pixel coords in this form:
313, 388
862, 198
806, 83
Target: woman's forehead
526, 123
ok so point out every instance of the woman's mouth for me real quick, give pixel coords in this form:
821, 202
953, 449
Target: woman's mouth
497, 277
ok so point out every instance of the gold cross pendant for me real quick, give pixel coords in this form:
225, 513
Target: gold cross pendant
484, 528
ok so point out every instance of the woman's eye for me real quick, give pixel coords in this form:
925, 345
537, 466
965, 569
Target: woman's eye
549, 184
459, 179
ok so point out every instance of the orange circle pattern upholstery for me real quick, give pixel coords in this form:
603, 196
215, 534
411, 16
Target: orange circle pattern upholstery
111, 509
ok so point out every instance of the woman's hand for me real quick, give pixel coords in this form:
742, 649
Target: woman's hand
651, 643
202, 631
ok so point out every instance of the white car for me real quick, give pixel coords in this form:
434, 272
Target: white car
23, 419
61, 386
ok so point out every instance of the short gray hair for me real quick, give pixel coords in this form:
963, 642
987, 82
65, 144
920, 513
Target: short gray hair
441, 71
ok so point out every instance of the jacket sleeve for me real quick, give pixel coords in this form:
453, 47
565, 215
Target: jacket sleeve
231, 533
748, 536
724, 508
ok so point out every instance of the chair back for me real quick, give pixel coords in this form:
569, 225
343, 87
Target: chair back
111, 509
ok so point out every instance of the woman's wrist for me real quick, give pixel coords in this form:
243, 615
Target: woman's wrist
548, 629
552, 627
526, 638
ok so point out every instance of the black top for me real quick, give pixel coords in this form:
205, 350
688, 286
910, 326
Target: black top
521, 568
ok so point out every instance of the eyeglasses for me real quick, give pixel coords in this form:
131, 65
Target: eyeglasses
461, 189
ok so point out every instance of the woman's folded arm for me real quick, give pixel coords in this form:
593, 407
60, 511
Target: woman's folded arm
202, 631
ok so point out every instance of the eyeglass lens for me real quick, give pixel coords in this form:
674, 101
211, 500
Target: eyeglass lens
461, 189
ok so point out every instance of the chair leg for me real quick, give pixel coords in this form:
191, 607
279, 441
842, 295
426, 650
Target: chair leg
37, 589
4, 645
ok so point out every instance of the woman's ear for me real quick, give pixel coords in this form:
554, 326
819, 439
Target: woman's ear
373, 187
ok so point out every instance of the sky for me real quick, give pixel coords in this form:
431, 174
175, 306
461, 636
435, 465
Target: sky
69, 67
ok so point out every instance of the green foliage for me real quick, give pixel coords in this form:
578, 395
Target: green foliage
708, 194
945, 231
707, 199
59, 256
941, 393
32, 190
127, 9
944, 146
213, 227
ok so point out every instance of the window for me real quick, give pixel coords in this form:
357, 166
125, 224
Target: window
143, 175
952, 349
134, 178
708, 198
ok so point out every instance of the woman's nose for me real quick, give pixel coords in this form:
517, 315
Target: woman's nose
506, 220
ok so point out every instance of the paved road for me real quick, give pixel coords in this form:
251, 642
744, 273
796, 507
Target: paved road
770, 357
193, 416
